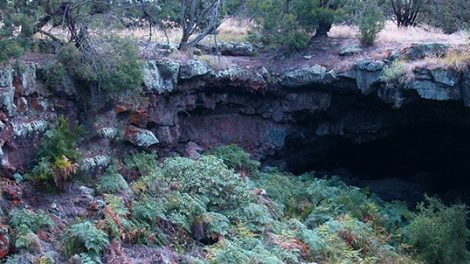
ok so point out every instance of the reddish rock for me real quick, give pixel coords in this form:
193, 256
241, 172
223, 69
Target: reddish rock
140, 137
139, 118
4, 241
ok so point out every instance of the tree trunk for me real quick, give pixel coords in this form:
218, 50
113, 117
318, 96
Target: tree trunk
184, 42
322, 30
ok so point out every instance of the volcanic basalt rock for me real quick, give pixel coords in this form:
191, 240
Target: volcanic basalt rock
294, 115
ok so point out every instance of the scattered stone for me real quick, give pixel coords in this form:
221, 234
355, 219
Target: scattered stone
140, 137
307, 57
22, 130
4, 241
28, 80
7, 91
330, 76
161, 76
351, 74
94, 163
349, 51
233, 73
193, 68
422, 74
6, 77
432, 91
108, 132
445, 76
465, 87
303, 76
235, 48
421, 50
193, 150
375, 66
368, 73
392, 56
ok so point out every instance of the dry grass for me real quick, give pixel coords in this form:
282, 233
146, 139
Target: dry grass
231, 29
217, 62
343, 32
455, 60
392, 34
234, 29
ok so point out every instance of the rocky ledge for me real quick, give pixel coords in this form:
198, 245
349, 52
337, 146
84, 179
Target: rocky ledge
189, 106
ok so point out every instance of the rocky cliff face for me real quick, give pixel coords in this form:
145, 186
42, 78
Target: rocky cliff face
297, 118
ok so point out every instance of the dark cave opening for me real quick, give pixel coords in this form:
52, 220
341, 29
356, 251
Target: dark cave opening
422, 157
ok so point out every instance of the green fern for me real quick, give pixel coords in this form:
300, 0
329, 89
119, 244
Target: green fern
208, 177
26, 239
236, 158
85, 238
29, 220
112, 181
439, 233
144, 163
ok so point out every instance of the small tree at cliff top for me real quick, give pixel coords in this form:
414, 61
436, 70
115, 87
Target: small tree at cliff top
199, 18
293, 23
370, 24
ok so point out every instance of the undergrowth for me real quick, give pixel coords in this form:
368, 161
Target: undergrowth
57, 156
223, 210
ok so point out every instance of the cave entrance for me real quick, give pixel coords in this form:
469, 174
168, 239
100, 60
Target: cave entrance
431, 157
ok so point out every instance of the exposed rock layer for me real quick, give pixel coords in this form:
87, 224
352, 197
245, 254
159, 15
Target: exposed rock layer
293, 118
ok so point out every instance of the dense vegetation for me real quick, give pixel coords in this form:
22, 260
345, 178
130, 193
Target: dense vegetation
220, 209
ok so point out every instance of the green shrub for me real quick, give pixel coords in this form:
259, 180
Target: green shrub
439, 233
54, 74
144, 163
236, 158
371, 24
10, 48
57, 155
29, 220
60, 141
112, 181
394, 72
277, 27
123, 68
85, 238
148, 209
215, 224
115, 68
206, 177
256, 216
26, 239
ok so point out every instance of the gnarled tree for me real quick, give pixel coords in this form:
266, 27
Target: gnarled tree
200, 17
406, 12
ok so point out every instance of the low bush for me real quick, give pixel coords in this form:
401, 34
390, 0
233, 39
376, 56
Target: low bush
203, 205
54, 74
112, 181
236, 158
438, 233
85, 238
370, 24
57, 155
11, 48
206, 177
144, 163
26, 239
115, 68
29, 220
394, 72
